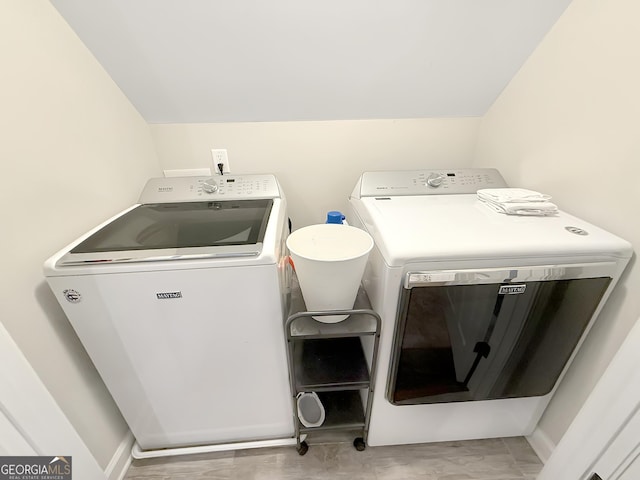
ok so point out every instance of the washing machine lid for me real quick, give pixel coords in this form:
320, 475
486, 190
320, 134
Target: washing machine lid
458, 227
180, 230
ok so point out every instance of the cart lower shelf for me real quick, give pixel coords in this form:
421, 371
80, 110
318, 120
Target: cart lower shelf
343, 411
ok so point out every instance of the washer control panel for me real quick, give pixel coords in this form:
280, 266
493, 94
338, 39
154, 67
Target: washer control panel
429, 182
221, 187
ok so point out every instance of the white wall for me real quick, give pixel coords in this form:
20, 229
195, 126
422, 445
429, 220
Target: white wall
73, 152
569, 125
318, 163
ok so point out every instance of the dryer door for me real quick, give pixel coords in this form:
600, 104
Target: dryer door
489, 334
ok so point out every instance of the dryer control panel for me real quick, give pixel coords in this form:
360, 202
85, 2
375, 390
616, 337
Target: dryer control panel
220, 187
428, 182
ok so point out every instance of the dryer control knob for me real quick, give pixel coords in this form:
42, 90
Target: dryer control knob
435, 180
210, 185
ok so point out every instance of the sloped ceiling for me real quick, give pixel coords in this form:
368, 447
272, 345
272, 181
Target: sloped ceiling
184, 61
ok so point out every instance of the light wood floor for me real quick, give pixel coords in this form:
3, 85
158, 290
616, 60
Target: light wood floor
491, 459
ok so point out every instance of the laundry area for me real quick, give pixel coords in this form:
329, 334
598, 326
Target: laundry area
284, 238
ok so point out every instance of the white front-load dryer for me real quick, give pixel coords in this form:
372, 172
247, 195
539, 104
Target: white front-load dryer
481, 312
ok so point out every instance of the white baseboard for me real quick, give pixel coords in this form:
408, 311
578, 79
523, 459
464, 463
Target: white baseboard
137, 453
541, 444
119, 464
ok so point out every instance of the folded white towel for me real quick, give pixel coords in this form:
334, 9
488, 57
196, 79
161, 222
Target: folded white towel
517, 201
538, 208
512, 195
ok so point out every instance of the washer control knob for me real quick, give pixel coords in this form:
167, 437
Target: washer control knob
435, 180
210, 185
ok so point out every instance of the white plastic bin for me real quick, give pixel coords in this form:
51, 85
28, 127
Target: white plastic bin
329, 260
310, 409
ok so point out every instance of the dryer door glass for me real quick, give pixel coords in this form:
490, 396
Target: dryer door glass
465, 342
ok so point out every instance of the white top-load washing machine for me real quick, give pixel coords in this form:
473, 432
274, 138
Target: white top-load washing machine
481, 311
179, 302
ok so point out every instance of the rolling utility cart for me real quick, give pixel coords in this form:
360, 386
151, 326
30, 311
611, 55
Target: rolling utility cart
336, 362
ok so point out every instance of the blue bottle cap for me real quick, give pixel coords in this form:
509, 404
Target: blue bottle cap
335, 217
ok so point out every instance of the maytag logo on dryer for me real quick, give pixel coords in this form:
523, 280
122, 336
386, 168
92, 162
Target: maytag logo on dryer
511, 289
168, 295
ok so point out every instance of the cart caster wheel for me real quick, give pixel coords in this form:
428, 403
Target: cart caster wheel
303, 448
359, 444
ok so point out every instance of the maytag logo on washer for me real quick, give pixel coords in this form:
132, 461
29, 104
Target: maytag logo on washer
168, 295
72, 296
511, 289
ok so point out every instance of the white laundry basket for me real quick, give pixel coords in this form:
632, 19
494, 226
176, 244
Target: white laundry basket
329, 260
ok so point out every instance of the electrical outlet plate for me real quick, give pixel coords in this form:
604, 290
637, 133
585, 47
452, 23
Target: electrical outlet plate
219, 155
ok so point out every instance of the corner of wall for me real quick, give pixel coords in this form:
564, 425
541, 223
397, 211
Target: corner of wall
541, 444
121, 460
